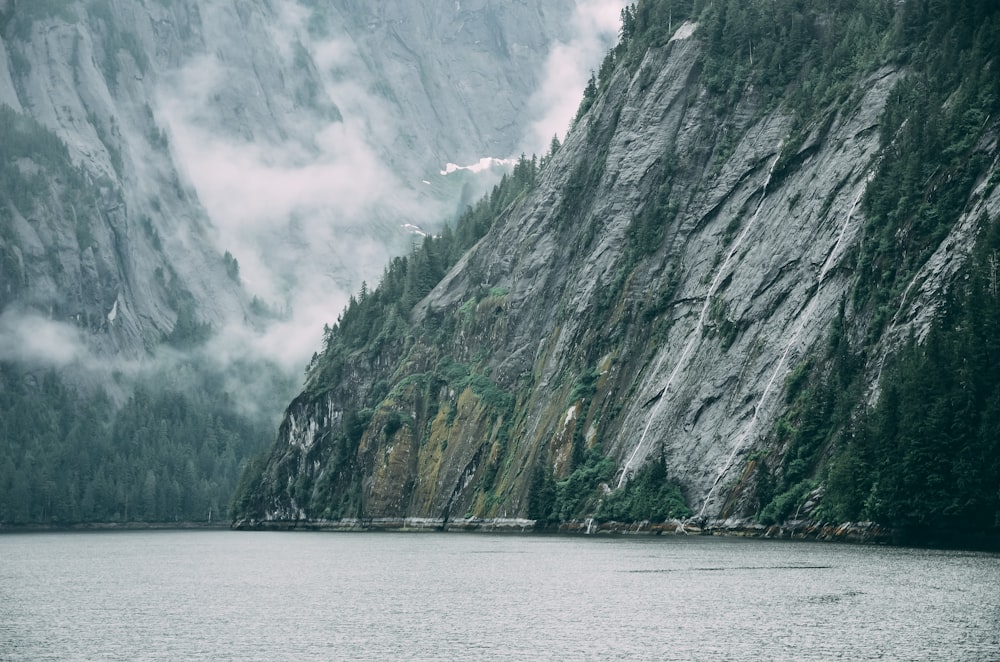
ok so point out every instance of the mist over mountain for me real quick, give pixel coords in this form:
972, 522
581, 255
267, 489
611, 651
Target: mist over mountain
191, 190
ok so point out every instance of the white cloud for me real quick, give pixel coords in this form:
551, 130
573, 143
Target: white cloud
250, 187
33, 340
307, 203
567, 69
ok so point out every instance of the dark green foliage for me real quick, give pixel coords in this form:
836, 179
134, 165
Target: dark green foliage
573, 497
931, 128
377, 317
927, 455
491, 395
69, 457
393, 423
583, 182
576, 495
809, 49
650, 24
725, 329
554, 147
647, 229
796, 380
11, 272
188, 332
232, 266
585, 385
542, 493
820, 403
787, 505
250, 478
649, 496
589, 96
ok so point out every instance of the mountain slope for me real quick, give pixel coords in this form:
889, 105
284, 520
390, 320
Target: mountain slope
654, 303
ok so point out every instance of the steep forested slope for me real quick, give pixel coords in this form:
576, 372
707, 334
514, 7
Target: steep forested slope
695, 304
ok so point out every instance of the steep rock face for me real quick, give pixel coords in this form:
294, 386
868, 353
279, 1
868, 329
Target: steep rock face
461, 73
99, 237
649, 296
702, 335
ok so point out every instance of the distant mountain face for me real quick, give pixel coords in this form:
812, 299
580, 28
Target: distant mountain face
299, 137
694, 296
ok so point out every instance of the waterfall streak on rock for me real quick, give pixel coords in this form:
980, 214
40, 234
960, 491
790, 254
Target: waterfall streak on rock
696, 333
803, 318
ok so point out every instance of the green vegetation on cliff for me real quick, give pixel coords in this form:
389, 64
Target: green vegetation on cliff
933, 130
804, 53
925, 455
402, 403
380, 316
649, 496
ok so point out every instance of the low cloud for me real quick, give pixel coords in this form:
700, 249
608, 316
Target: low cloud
32, 340
595, 28
304, 199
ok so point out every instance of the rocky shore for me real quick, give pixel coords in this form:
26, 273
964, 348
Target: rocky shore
854, 532
865, 533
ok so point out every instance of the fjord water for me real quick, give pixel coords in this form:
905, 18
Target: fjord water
223, 595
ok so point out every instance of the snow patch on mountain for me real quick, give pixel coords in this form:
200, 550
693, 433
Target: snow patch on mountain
484, 164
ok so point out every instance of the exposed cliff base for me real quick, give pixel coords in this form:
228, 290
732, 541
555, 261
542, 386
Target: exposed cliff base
865, 533
860, 532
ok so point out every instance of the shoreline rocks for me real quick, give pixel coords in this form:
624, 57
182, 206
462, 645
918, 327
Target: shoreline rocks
852, 532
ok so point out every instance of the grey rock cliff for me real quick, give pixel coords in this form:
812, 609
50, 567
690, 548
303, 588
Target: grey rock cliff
691, 337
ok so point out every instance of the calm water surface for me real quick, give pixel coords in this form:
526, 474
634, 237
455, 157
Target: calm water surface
324, 596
